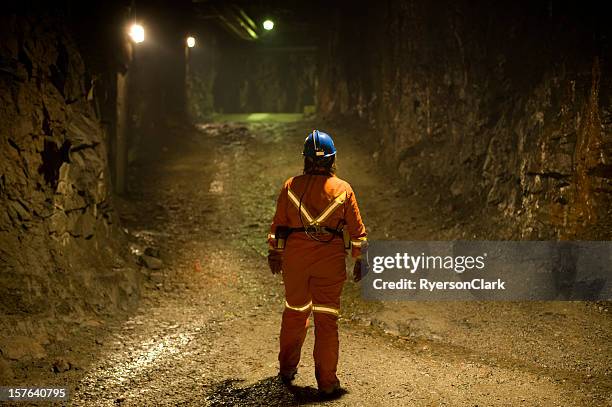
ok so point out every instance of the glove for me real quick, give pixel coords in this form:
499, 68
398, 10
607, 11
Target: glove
275, 261
357, 271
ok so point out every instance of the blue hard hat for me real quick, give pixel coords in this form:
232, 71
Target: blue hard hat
319, 145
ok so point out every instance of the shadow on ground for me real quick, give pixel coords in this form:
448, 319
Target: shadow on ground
267, 392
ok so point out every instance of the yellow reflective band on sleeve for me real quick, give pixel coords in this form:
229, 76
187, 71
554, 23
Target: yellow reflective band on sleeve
300, 309
302, 208
339, 200
327, 310
359, 242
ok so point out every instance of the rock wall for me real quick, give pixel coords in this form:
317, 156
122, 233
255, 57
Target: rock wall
60, 245
483, 108
200, 78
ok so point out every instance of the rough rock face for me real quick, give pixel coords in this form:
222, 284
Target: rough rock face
59, 252
200, 79
483, 108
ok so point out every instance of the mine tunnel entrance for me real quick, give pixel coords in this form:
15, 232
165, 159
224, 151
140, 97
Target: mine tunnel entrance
146, 147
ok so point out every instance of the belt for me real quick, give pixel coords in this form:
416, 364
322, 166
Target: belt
317, 230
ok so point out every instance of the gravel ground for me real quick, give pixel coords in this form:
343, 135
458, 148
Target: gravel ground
207, 329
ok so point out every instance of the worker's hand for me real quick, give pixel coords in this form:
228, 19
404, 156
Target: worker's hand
275, 261
357, 271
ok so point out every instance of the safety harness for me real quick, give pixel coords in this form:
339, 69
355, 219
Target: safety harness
313, 226
312, 221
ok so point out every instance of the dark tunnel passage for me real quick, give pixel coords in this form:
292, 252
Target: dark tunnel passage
143, 145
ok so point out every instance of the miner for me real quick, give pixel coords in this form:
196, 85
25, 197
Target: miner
317, 222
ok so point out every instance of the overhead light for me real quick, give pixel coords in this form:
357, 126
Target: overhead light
268, 25
190, 42
137, 33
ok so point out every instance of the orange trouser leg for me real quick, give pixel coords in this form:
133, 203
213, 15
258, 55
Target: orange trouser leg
326, 350
326, 287
295, 321
293, 332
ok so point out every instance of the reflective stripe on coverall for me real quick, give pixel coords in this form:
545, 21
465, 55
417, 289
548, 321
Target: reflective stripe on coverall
314, 272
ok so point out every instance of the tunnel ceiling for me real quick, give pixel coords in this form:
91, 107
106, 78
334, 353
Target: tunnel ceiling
295, 23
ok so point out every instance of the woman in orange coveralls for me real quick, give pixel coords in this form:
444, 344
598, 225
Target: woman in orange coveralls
313, 213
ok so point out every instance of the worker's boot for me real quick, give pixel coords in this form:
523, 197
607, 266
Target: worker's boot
331, 391
287, 377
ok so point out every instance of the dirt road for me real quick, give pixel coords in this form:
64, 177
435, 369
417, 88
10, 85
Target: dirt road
207, 330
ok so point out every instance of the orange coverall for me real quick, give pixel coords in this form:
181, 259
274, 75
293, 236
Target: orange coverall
314, 272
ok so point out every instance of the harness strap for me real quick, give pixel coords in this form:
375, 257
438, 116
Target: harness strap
319, 229
294, 199
333, 205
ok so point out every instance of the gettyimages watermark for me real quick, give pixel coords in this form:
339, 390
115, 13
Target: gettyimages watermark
488, 270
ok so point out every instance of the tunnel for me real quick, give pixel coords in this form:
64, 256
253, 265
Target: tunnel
283, 203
